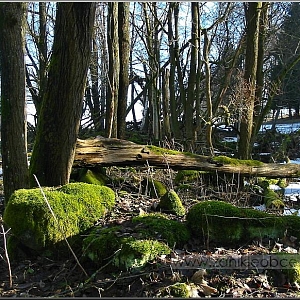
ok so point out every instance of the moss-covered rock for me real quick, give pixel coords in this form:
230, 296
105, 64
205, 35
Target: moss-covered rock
177, 290
185, 176
136, 253
272, 200
101, 243
171, 231
225, 223
171, 203
155, 188
93, 176
124, 252
76, 207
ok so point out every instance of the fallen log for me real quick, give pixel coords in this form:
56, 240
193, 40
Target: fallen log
105, 152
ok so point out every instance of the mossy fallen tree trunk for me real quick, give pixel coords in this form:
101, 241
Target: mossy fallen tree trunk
115, 152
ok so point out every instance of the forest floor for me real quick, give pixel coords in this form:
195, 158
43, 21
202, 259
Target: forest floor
44, 277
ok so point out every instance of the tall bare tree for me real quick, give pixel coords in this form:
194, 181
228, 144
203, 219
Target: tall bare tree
59, 120
13, 110
252, 14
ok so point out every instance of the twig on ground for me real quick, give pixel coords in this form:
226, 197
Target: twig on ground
6, 252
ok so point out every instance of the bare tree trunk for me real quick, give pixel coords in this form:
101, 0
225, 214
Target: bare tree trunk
113, 70
59, 120
166, 104
252, 12
190, 101
13, 111
172, 90
124, 51
206, 49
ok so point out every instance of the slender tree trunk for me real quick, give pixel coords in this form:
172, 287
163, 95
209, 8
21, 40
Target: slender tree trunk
43, 49
252, 12
190, 101
166, 104
172, 90
206, 49
263, 30
113, 70
124, 51
13, 110
95, 104
59, 120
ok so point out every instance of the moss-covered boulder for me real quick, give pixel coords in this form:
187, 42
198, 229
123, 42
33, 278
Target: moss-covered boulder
76, 207
272, 200
171, 203
136, 253
159, 226
177, 290
225, 223
186, 176
108, 245
93, 176
155, 188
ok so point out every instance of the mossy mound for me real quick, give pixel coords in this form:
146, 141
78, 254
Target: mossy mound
136, 253
171, 231
272, 200
171, 203
93, 176
101, 243
155, 188
76, 207
177, 290
224, 223
123, 252
186, 176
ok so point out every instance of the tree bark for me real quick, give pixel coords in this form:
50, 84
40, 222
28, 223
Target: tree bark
113, 70
13, 111
252, 12
124, 51
59, 121
115, 152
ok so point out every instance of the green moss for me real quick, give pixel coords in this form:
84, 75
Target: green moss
76, 207
173, 232
272, 199
178, 289
236, 162
183, 176
100, 244
92, 177
159, 150
155, 188
171, 203
136, 253
222, 222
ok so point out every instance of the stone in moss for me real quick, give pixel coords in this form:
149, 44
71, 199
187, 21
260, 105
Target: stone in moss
184, 176
100, 244
76, 207
93, 177
171, 231
272, 199
136, 253
178, 289
155, 188
171, 203
225, 223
